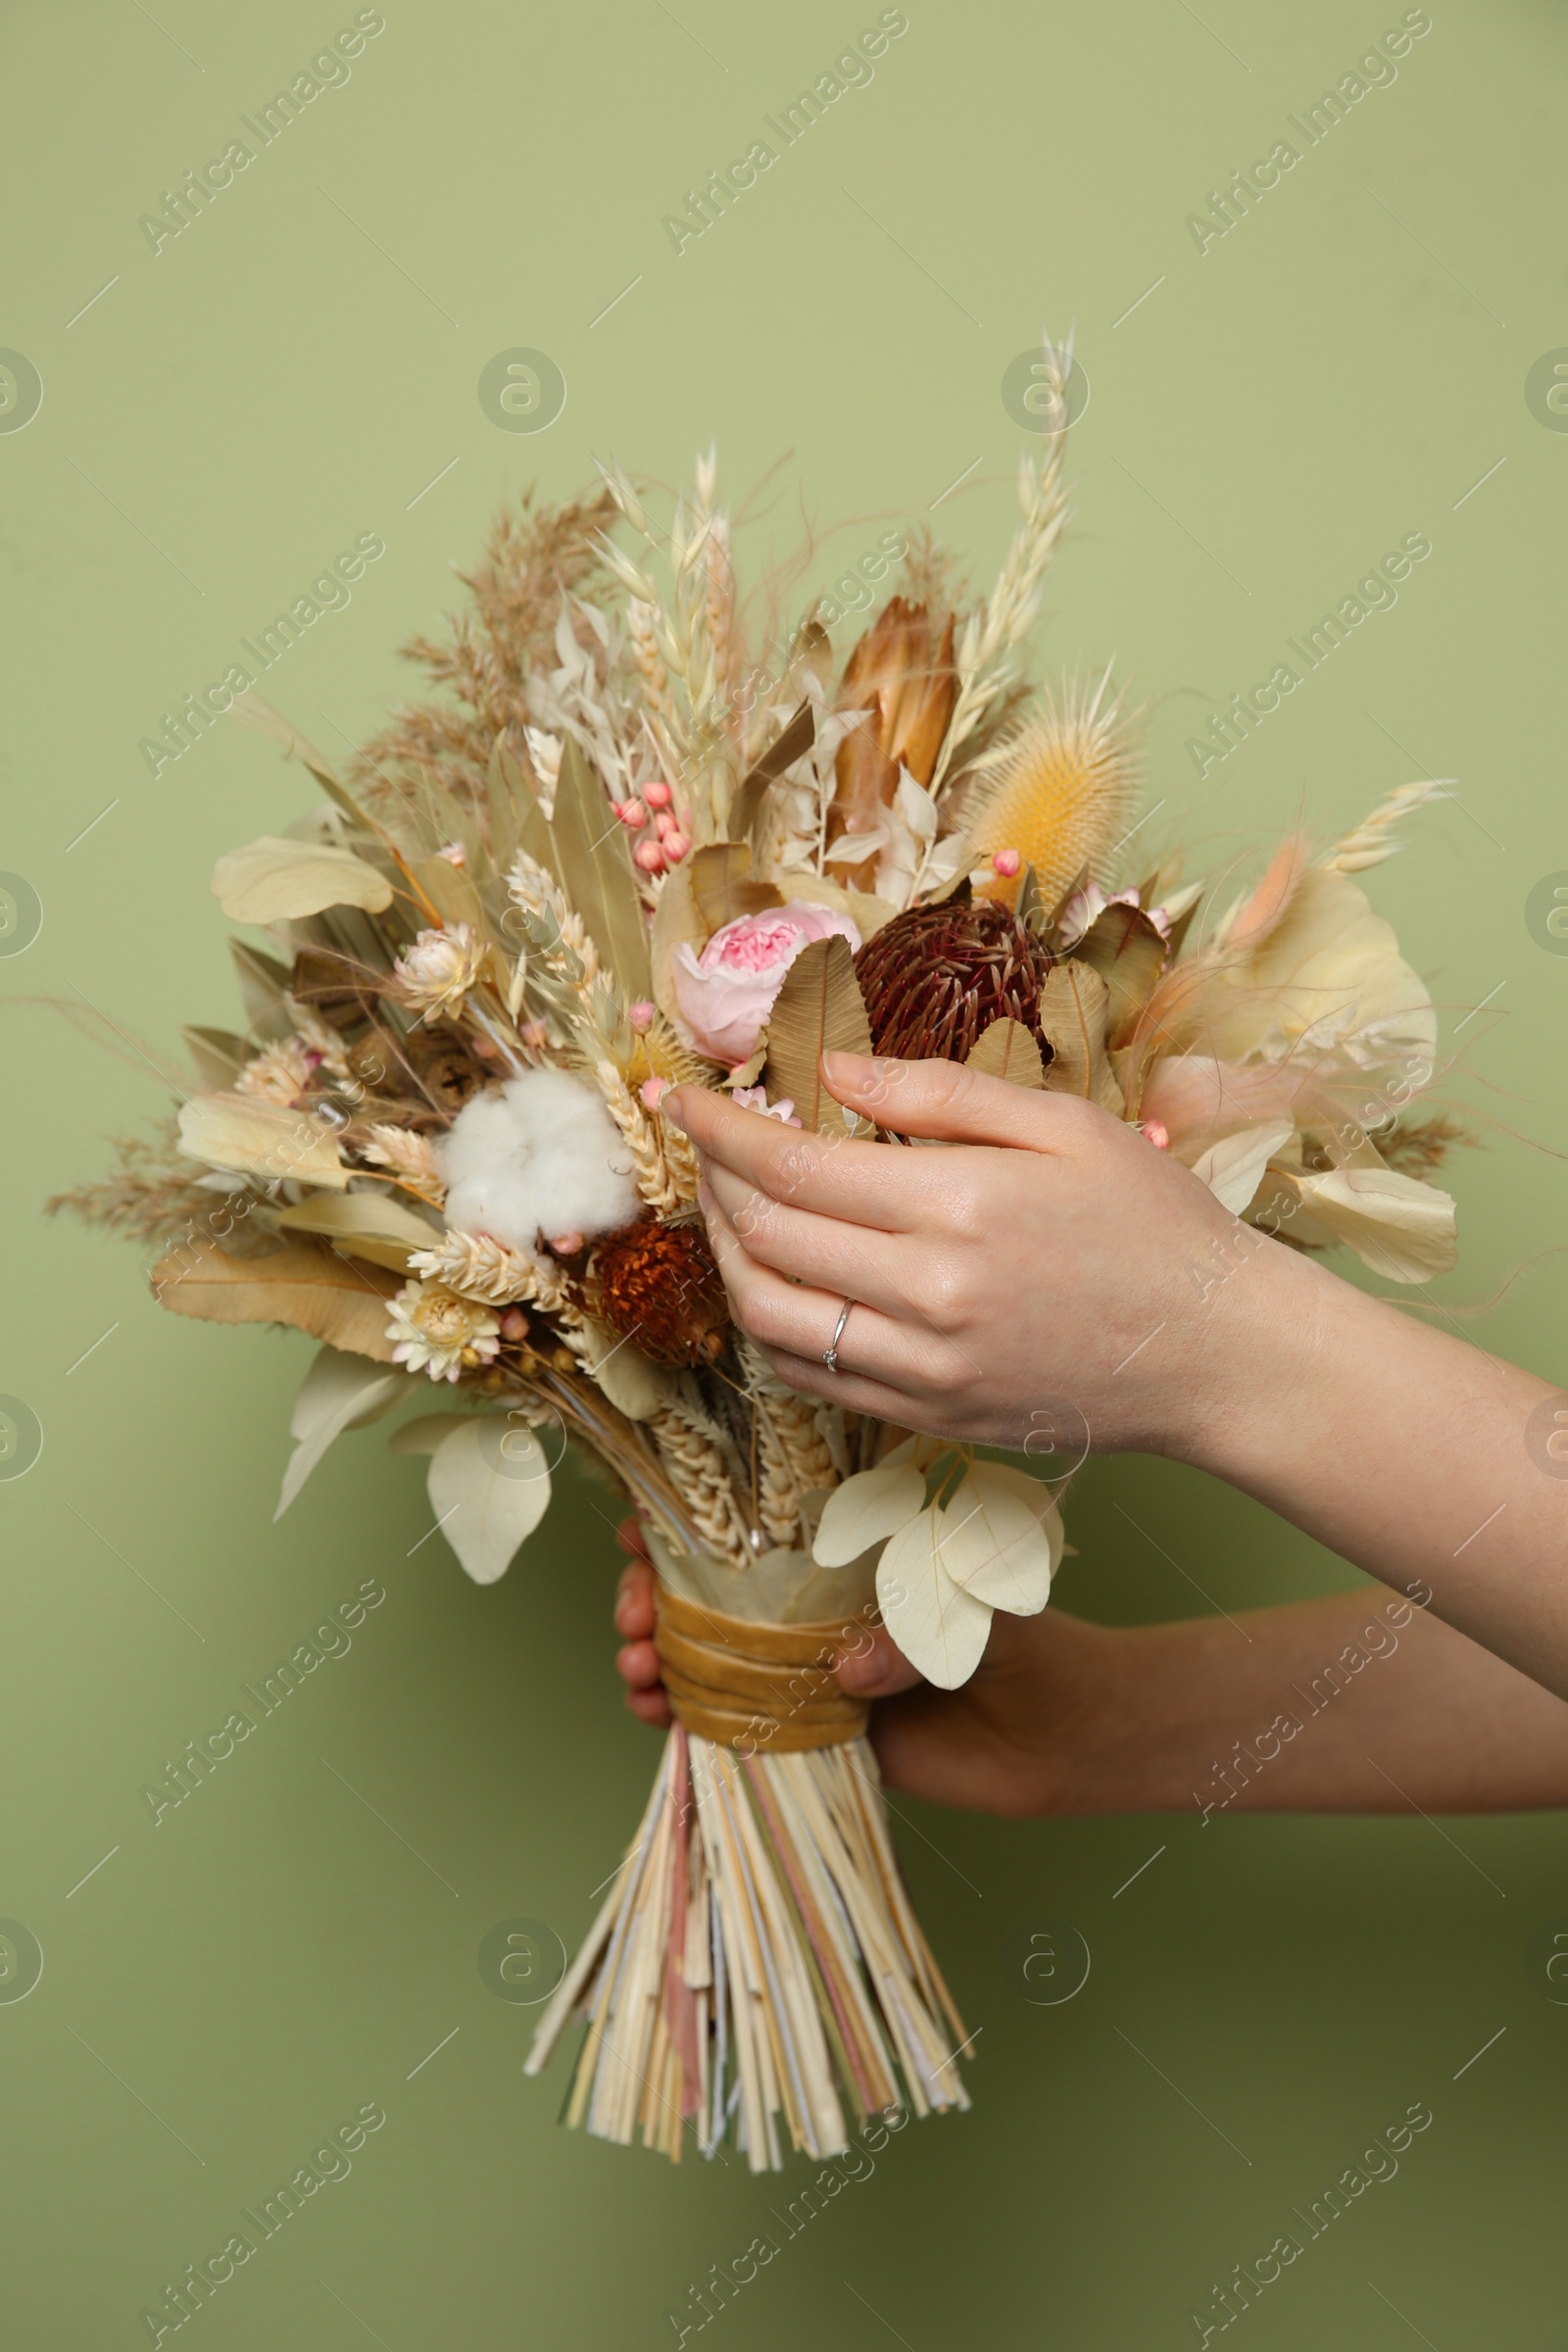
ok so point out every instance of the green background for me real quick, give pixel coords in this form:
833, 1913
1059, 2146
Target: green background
295, 369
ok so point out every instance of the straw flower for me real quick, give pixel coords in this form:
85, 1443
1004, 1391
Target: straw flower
440, 968
439, 1333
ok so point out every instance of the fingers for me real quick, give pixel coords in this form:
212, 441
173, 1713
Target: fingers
634, 1601
799, 1321
632, 1537
637, 1661
878, 1670
833, 1256
861, 1183
953, 1104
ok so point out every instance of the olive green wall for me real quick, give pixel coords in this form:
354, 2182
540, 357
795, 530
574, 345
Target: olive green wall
1347, 365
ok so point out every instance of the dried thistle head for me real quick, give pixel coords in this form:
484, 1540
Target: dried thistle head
1061, 790
935, 977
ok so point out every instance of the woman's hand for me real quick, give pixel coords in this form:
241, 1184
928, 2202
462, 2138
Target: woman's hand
1018, 1738
1046, 1290
1059, 1285
1355, 1705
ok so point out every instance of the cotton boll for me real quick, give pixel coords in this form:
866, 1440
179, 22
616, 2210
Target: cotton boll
542, 1155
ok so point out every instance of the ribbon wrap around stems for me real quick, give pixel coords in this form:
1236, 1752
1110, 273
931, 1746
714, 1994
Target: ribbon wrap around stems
754, 1686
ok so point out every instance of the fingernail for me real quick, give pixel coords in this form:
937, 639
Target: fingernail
670, 1109
852, 1071
704, 1198
857, 1668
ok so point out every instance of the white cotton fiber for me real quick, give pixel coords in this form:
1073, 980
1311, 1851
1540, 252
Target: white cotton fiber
543, 1155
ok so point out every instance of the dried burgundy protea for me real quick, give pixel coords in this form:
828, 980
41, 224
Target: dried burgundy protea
659, 1288
935, 978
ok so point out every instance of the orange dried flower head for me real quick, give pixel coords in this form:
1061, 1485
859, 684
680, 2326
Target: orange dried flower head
659, 1288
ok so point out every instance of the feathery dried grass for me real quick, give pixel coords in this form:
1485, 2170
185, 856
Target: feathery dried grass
533, 555
151, 1196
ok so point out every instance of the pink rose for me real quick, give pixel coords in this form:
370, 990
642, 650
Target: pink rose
726, 994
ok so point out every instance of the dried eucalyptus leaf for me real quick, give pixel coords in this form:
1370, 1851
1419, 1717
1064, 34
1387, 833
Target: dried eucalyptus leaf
263, 986
217, 1054
723, 886
1074, 1005
303, 1284
339, 1392
275, 879
751, 794
260, 1139
370, 1225
1008, 1051
1124, 947
820, 1009
254, 711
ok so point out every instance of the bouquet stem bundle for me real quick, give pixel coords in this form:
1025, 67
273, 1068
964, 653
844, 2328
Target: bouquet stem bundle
757, 1963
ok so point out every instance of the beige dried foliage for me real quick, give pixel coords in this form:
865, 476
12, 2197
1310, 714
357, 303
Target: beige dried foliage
533, 555
150, 1195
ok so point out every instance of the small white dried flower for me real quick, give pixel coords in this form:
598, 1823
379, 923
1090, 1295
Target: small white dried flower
437, 972
437, 1332
279, 1073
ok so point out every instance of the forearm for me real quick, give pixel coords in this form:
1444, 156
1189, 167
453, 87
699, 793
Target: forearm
1360, 1703
1405, 1449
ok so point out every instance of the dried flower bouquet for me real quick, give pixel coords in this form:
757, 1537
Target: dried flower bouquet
620, 854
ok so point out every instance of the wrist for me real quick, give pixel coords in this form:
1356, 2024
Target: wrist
1257, 1338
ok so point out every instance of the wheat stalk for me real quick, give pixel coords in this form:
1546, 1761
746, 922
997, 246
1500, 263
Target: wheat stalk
698, 1472
410, 1157
476, 1267
1372, 840
664, 1161
984, 661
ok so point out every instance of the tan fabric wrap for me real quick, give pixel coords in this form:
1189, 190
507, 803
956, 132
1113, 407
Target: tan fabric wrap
753, 1685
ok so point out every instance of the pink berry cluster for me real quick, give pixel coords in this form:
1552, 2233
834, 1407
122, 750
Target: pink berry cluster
668, 842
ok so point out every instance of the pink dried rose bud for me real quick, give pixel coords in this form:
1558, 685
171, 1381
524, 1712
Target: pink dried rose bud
514, 1324
1155, 1132
649, 857
1006, 863
535, 1034
632, 814
664, 823
658, 795
753, 1097
653, 1091
726, 994
485, 1047
641, 1016
676, 846
565, 1244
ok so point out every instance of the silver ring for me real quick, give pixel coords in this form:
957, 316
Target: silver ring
831, 1353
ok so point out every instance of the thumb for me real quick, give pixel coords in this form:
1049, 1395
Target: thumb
876, 1668
950, 1103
